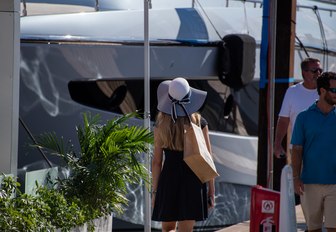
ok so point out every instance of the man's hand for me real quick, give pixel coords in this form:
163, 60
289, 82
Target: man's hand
298, 186
297, 166
281, 131
279, 152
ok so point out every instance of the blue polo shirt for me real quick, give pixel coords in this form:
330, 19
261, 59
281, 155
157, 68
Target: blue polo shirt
316, 133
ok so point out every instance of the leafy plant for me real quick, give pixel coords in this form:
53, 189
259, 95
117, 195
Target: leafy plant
44, 211
96, 186
108, 159
63, 214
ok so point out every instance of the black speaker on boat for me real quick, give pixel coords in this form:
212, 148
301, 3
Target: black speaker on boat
236, 63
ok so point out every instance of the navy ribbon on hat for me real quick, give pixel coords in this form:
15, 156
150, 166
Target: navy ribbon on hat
185, 100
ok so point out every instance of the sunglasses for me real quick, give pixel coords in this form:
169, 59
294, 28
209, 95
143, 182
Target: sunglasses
315, 70
333, 90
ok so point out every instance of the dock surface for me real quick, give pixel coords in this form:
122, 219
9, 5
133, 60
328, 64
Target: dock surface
245, 226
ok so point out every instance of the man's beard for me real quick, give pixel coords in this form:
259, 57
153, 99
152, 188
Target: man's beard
331, 101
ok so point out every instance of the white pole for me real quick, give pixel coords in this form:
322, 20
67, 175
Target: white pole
273, 18
147, 208
9, 86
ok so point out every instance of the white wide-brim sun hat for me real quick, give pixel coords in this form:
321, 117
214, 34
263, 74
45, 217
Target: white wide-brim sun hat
179, 89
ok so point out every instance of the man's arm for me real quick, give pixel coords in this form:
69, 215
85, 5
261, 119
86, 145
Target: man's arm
280, 132
297, 165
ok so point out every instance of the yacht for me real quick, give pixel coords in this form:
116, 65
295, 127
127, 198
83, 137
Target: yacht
93, 61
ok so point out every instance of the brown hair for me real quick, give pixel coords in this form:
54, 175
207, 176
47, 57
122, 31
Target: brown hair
323, 81
170, 134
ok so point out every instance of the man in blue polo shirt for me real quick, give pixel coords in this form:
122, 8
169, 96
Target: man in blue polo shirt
314, 157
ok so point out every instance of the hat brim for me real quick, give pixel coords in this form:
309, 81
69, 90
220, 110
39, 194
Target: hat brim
197, 99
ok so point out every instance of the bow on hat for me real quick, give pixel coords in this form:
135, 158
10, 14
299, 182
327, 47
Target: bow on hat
177, 98
182, 102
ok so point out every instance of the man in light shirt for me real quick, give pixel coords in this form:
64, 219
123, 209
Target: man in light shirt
298, 97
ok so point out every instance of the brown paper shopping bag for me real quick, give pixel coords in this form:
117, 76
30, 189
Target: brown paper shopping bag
197, 155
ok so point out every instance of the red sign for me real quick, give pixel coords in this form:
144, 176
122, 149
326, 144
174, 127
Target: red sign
265, 209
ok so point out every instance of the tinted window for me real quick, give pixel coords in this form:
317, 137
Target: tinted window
225, 110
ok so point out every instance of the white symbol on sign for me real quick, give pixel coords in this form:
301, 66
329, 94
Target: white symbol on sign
267, 207
267, 224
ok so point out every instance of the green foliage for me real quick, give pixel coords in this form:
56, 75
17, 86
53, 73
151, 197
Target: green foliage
44, 211
97, 184
62, 213
99, 173
108, 160
21, 213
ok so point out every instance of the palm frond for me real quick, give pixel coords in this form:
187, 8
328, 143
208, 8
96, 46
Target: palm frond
108, 160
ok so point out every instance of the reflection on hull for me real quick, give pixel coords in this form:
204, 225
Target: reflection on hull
234, 167
47, 70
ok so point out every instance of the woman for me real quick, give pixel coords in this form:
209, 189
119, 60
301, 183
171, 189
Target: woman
178, 196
